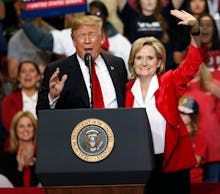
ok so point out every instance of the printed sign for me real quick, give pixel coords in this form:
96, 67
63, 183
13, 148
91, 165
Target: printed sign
46, 8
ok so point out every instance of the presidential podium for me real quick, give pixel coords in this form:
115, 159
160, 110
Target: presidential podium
94, 151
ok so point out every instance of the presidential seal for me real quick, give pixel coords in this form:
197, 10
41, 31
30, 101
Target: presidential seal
92, 140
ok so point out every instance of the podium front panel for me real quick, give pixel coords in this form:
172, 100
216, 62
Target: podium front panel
130, 161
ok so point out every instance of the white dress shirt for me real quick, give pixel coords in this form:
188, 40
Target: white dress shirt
29, 103
107, 87
156, 120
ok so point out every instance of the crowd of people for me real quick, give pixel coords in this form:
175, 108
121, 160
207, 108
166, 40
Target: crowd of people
161, 55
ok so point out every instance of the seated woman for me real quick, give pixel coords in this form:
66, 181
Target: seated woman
25, 98
18, 165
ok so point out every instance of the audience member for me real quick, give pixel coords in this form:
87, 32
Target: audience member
113, 17
18, 165
189, 111
20, 48
146, 20
206, 91
209, 36
26, 97
159, 93
197, 7
66, 83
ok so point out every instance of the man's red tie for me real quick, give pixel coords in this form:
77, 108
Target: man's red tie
98, 101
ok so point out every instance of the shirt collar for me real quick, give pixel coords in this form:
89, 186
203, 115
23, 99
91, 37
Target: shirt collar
98, 61
33, 97
136, 89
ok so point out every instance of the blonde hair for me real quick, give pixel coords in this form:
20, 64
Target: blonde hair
138, 45
13, 138
86, 20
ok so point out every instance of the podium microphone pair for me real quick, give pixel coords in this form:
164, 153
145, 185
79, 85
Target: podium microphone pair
88, 62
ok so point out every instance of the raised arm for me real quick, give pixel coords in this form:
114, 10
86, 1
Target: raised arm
188, 20
40, 38
187, 70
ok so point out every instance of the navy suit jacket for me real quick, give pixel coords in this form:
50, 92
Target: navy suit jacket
74, 94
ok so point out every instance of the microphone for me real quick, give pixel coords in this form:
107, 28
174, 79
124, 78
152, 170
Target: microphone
88, 60
88, 63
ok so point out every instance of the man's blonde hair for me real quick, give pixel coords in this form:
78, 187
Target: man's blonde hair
86, 20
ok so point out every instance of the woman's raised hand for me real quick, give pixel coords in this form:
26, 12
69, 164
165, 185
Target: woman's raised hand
186, 19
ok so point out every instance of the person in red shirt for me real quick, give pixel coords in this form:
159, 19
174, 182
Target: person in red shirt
189, 111
209, 36
24, 98
206, 91
18, 164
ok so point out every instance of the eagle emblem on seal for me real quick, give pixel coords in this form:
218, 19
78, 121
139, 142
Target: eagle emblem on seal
93, 140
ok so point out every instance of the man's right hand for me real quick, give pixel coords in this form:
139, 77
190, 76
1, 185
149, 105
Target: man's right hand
56, 85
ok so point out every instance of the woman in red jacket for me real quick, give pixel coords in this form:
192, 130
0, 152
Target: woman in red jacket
25, 98
159, 93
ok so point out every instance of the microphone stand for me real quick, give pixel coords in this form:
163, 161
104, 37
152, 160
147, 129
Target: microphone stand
88, 63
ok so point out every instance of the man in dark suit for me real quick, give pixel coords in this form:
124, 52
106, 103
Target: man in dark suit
66, 83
